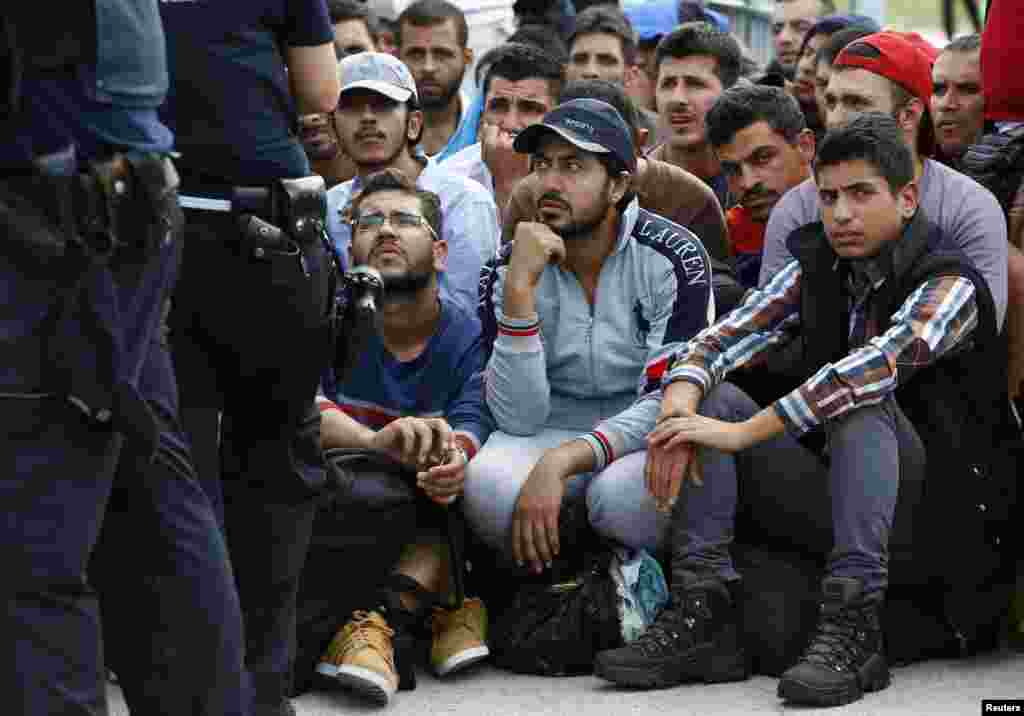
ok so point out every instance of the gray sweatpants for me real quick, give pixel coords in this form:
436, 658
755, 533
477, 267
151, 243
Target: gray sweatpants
617, 501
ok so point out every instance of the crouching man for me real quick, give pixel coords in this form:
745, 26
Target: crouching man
583, 309
898, 329
415, 393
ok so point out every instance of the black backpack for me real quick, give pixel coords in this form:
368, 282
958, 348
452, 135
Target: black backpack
997, 163
557, 622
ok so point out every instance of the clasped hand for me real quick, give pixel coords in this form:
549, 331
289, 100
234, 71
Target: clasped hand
426, 445
672, 455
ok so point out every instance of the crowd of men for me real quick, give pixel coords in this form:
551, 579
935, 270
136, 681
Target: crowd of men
601, 286
634, 272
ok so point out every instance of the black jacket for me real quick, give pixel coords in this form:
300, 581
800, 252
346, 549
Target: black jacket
962, 531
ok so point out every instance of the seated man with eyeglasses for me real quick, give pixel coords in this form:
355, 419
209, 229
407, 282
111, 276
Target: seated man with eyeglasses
415, 393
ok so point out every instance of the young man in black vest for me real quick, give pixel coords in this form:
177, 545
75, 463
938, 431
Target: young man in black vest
898, 329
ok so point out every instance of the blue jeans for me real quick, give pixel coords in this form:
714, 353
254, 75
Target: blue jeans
844, 506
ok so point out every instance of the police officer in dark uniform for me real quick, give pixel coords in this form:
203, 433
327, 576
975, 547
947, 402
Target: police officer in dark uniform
89, 252
250, 319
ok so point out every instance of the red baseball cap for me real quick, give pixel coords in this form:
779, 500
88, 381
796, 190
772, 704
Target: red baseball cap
903, 57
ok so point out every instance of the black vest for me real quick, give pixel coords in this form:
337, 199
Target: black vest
962, 531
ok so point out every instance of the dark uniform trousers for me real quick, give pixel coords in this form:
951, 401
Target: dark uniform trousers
250, 338
74, 489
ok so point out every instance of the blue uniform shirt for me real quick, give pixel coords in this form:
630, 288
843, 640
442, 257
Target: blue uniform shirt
230, 104
102, 108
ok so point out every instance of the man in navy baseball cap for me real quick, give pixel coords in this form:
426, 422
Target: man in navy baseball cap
584, 304
590, 124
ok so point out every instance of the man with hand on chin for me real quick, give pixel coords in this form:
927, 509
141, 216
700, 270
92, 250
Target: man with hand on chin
897, 327
582, 310
520, 86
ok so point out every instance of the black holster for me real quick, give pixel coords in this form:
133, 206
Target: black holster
289, 217
117, 214
124, 207
297, 208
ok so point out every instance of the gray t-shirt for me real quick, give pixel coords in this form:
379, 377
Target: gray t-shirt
961, 207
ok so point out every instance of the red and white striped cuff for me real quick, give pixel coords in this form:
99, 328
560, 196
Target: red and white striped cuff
604, 452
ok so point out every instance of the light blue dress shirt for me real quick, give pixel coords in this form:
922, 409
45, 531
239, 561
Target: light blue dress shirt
470, 226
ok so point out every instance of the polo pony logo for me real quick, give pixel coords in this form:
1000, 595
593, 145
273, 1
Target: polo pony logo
643, 326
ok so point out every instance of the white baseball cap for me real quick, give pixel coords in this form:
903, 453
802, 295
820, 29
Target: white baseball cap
377, 71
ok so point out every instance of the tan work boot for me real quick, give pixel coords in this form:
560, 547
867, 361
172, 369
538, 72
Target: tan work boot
460, 637
362, 657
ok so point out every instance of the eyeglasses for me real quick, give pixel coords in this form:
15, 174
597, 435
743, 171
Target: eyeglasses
371, 222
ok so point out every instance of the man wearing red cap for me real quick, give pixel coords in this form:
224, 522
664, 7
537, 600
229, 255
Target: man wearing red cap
891, 73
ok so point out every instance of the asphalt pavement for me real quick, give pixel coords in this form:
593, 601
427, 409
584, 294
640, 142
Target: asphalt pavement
954, 687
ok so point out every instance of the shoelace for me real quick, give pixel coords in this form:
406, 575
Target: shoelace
673, 624
838, 643
445, 619
367, 629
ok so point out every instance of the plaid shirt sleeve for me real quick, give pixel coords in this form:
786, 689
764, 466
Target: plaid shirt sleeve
939, 315
767, 317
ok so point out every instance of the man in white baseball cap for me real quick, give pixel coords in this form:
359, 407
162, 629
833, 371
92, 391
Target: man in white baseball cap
379, 124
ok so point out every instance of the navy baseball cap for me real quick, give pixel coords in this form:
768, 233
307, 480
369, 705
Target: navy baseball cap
590, 124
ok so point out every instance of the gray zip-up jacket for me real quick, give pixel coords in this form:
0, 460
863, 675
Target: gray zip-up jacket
597, 369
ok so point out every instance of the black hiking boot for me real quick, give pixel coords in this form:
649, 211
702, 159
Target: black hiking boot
846, 657
695, 638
